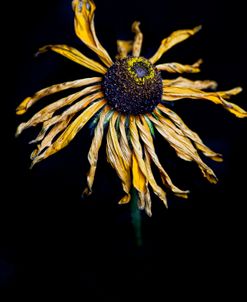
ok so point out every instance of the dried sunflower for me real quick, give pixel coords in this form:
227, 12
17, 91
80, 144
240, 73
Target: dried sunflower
129, 97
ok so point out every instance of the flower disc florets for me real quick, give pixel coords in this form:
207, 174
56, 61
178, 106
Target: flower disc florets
133, 86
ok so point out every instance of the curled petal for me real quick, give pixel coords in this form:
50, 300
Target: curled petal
171, 93
181, 145
179, 68
143, 165
139, 182
139, 170
116, 159
94, 149
190, 134
48, 139
137, 148
124, 47
185, 83
76, 56
29, 101
84, 28
47, 112
148, 203
51, 121
175, 38
149, 146
157, 189
137, 45
124, 144
65, 138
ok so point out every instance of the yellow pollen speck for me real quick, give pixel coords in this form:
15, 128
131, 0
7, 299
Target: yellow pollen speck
150, 70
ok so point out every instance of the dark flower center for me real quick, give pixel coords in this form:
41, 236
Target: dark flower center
133, 86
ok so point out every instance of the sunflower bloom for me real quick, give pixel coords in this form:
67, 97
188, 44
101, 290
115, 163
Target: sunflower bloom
127, 102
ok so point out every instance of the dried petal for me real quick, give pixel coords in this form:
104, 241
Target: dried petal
71, 131
179, 68
76, 56
190, 134
175, 38
29, 101
124, 47
84, 28
94, 149
172, 93
137, 45
185, 83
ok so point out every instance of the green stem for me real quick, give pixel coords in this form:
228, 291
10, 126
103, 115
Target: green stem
136, 216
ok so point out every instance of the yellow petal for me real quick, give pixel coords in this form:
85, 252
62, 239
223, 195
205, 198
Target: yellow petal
139, 180
175, 38
47, 112
29, 101
190, 134
124, 144
116, 159
148, 203
137, 45
84, 28
48, 139
139, 183
157, 189
171, 93
149, 146
143, 165
57, 118
185, 83
182, 146
76, 56
179, 68
124, 47
94, 149
137, 147
65, 138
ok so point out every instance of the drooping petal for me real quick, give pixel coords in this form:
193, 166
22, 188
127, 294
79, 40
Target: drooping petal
139, 182
149, 146
75, 55
157, 189
175, 38
124, 47
116, 144
84, 28
148, 202
145, 170
116, 159
186, 83
124, 144
57, 118
172, 93
137, 45
175, 67
47, 112
65, 138
135, 141
48, 139
94, 149
190, 134
181, 145
139, 170
29, 101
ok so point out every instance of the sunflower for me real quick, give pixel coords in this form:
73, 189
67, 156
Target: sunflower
128, 102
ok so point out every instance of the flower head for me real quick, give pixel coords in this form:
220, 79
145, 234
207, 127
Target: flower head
128, 102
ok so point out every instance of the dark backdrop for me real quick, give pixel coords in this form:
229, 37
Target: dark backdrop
51, 238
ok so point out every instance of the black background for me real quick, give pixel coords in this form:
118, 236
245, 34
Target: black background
51, 239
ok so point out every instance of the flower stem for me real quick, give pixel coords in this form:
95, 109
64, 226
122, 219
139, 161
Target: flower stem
136, 217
